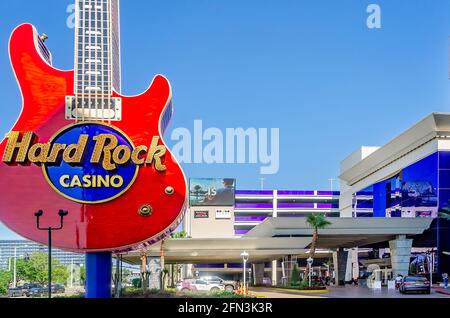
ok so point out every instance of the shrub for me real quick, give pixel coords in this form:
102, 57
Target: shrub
295, 280
136, 282
223, 294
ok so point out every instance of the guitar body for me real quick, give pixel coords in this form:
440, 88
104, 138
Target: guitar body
111, 226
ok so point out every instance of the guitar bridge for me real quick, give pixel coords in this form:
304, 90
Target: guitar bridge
88, 108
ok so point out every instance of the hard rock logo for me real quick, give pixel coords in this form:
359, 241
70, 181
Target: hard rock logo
86, 162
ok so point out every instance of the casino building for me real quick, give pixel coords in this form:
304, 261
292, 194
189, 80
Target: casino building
385, 215
409, 177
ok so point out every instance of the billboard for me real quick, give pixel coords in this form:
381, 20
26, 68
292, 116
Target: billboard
211, 192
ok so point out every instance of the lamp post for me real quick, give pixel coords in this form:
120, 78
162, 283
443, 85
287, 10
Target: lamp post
430, 267
331, 183
14, 270
245, 256
71, 273
15, 265
310, 261
62, 214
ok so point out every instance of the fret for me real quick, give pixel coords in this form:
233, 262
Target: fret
97, 47
97, 61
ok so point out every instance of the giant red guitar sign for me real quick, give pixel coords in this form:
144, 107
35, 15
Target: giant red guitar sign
79, 145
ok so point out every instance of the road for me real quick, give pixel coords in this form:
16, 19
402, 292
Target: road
340, 292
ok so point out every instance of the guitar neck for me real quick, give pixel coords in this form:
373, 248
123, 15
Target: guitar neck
97, 47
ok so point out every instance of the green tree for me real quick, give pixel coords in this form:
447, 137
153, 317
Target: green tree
126, 275
136, 282
317, 221
178, 235
5, 280
295, 279
82, 274
35, 269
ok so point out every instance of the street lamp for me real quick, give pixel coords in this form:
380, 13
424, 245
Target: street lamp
310, 261
14, 273
62, 214
245, 256
430, 267
15, 266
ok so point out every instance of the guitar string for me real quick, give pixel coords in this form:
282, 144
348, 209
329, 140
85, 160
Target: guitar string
76, 60
109, 59
96, 65
93, 51
87, 18
83, 56
91, 59
102, 72
106, 58
86, 26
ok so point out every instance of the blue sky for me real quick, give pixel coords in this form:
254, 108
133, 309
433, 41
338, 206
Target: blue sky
311, 68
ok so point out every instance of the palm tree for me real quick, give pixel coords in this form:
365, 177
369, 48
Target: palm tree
164, 272
444, 213
316, 221
144, 270
162, 264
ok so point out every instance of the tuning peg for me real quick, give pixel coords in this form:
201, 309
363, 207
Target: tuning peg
43, 37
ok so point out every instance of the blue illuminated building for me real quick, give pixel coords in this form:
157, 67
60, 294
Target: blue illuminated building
409, 177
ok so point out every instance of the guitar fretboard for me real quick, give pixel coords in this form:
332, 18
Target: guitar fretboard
97, 48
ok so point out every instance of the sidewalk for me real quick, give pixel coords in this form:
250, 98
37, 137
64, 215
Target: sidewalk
442, 290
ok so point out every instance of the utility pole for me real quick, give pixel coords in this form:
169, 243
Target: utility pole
430, 267
262, 183
14, 273
71, 274
331, 183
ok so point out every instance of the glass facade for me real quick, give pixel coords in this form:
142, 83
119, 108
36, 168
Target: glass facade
24, 248
419, 190
412, 192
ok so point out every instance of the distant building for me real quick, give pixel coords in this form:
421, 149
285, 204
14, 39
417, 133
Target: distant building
24, 248
254, 206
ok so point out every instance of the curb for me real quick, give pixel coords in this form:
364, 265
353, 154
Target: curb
302, 291
442, 291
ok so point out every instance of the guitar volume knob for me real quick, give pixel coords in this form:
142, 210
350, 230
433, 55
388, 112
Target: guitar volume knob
169, 190
145, 210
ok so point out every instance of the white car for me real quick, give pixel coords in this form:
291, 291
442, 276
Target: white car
198, 285
228, 285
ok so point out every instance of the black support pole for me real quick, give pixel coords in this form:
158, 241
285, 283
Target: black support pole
50, 263
62, 214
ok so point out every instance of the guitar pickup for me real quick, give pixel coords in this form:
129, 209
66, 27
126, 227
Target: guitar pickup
88, 108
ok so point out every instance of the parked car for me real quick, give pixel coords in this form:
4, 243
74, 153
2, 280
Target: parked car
26, 288
198, 285
33, 289
228, 285
415, 284
16, 292
37, 291
58, 289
